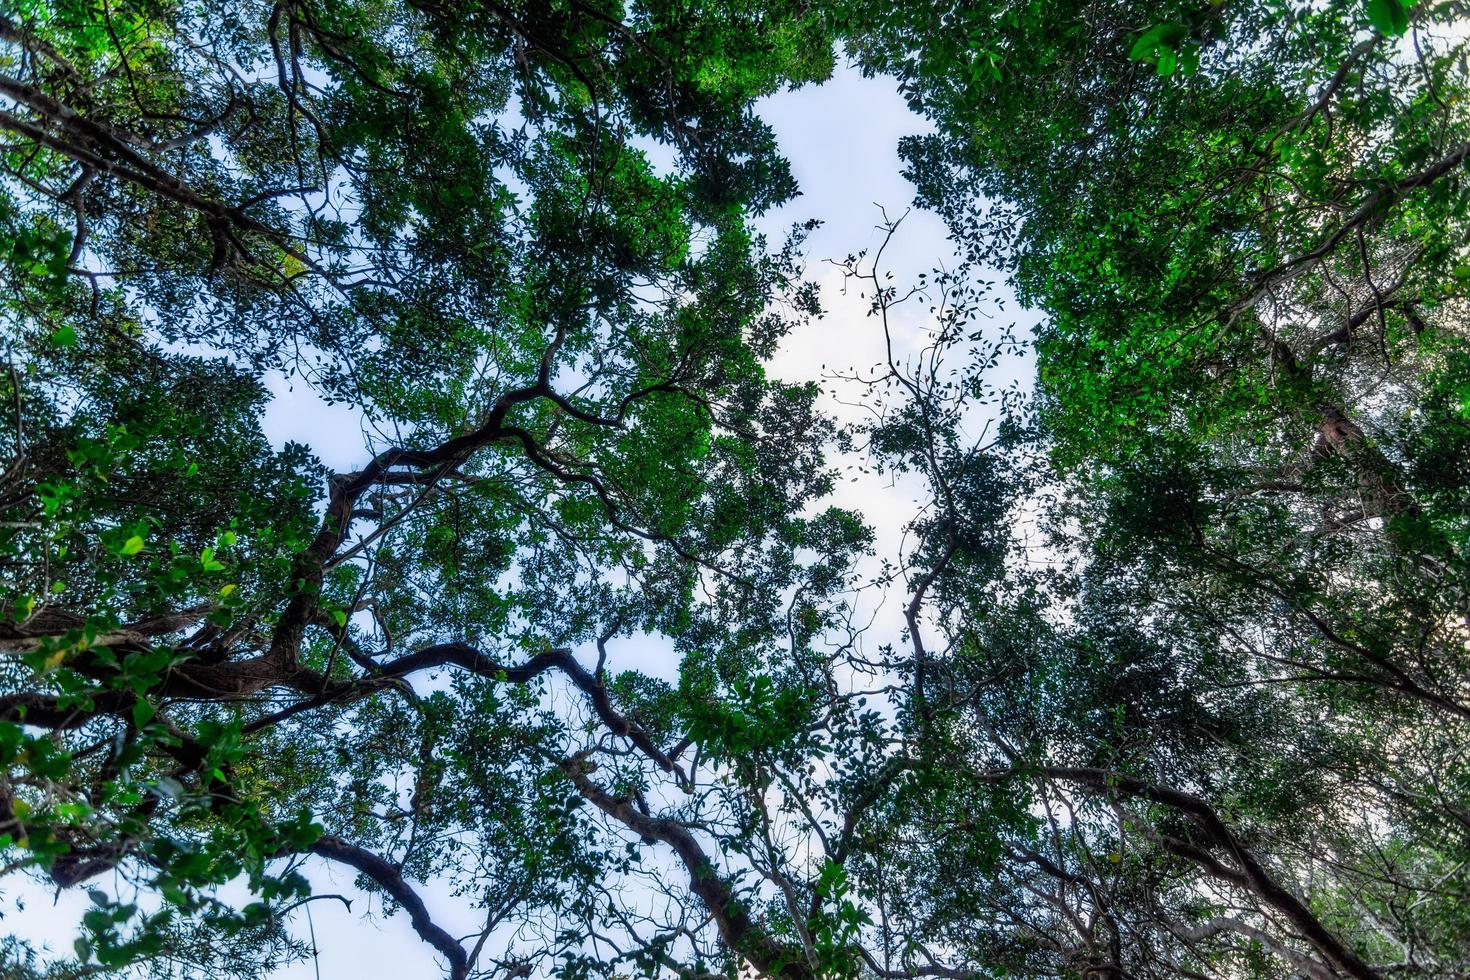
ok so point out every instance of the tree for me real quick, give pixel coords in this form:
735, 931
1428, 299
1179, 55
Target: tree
1213, 728
1245, 225
1249, 251
444, 218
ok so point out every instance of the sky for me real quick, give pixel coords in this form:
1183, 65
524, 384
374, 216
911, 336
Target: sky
841, 138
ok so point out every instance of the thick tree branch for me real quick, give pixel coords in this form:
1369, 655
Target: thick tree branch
390, 879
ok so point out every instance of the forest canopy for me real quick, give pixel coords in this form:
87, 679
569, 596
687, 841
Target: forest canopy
1211, 719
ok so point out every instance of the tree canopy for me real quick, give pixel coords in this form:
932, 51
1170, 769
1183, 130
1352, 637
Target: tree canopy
1215, 725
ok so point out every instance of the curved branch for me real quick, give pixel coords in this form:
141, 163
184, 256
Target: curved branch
390, 879
739, 932
1250, 875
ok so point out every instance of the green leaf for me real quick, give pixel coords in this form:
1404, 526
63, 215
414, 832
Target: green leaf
1389, 17
64, 336
143, 712
1189, 60
1156, 39
131, 546
1144, 46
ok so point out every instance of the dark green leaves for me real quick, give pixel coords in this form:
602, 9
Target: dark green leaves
1168, 48
1389, 17
1158, 38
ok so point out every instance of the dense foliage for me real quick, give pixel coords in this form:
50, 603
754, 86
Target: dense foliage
1216, 727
